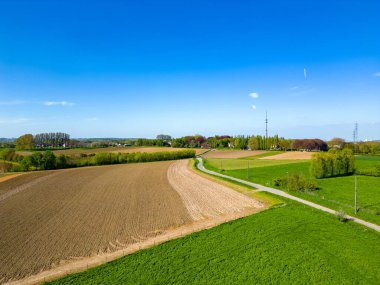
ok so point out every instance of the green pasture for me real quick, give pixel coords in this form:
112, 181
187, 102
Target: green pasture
239, 163
294, 244
336, 193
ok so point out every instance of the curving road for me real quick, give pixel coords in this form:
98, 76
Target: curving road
285, 195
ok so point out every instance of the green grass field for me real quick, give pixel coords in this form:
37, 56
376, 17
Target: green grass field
294, 244
336, 193
239, 163
265, 154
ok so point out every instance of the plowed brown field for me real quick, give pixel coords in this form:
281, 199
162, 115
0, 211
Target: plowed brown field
82, 212
204, 198
54, 219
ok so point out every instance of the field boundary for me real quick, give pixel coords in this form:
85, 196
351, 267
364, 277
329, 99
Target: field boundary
286, 195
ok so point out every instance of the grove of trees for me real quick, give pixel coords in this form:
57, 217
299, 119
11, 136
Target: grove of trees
333, 163
44, 140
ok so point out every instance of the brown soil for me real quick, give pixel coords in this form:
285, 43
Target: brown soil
7, 177
204, 198
292, 155
56, 222
191, 185
20, 180
83, 212
232, 153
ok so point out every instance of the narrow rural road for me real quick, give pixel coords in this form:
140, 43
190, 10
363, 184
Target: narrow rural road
284, 194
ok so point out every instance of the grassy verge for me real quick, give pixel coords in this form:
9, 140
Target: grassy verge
268, 199
287, 245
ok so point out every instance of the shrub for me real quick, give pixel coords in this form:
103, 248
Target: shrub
280, 181
49, 160
62, 161
341, 216
296, 183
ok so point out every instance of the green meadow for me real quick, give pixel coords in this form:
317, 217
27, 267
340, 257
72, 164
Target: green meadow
336, 193
293, 244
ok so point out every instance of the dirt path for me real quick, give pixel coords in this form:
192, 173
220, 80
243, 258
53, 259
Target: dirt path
286, 195
204, 198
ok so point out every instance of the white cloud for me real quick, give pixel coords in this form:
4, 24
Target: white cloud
254, 107
377, 74
305, 73
254, 95
58, 103
294, 88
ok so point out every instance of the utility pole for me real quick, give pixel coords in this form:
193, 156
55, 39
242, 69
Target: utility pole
356, 178
266, 130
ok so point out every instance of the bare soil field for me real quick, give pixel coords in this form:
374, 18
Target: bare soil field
52, 219
232, 153
204, 198
113, 150
291, 155
16, 181
83, 212
5, 177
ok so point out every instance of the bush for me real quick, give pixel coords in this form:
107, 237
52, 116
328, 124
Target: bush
280, 181
295, 182
341, 216
62, 161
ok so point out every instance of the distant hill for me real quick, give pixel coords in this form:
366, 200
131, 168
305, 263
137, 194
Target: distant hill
7, 139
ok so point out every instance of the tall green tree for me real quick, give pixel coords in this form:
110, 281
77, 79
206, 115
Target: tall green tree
25, 142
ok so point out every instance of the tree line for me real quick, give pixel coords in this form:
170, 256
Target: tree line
253, 142
47, 160
43, 140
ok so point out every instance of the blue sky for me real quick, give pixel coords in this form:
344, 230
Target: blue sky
140, 68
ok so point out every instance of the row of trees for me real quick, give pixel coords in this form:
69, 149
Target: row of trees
104, 158
51, 140
333, 163
47, 160
43, 140
250, 142
368, 147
